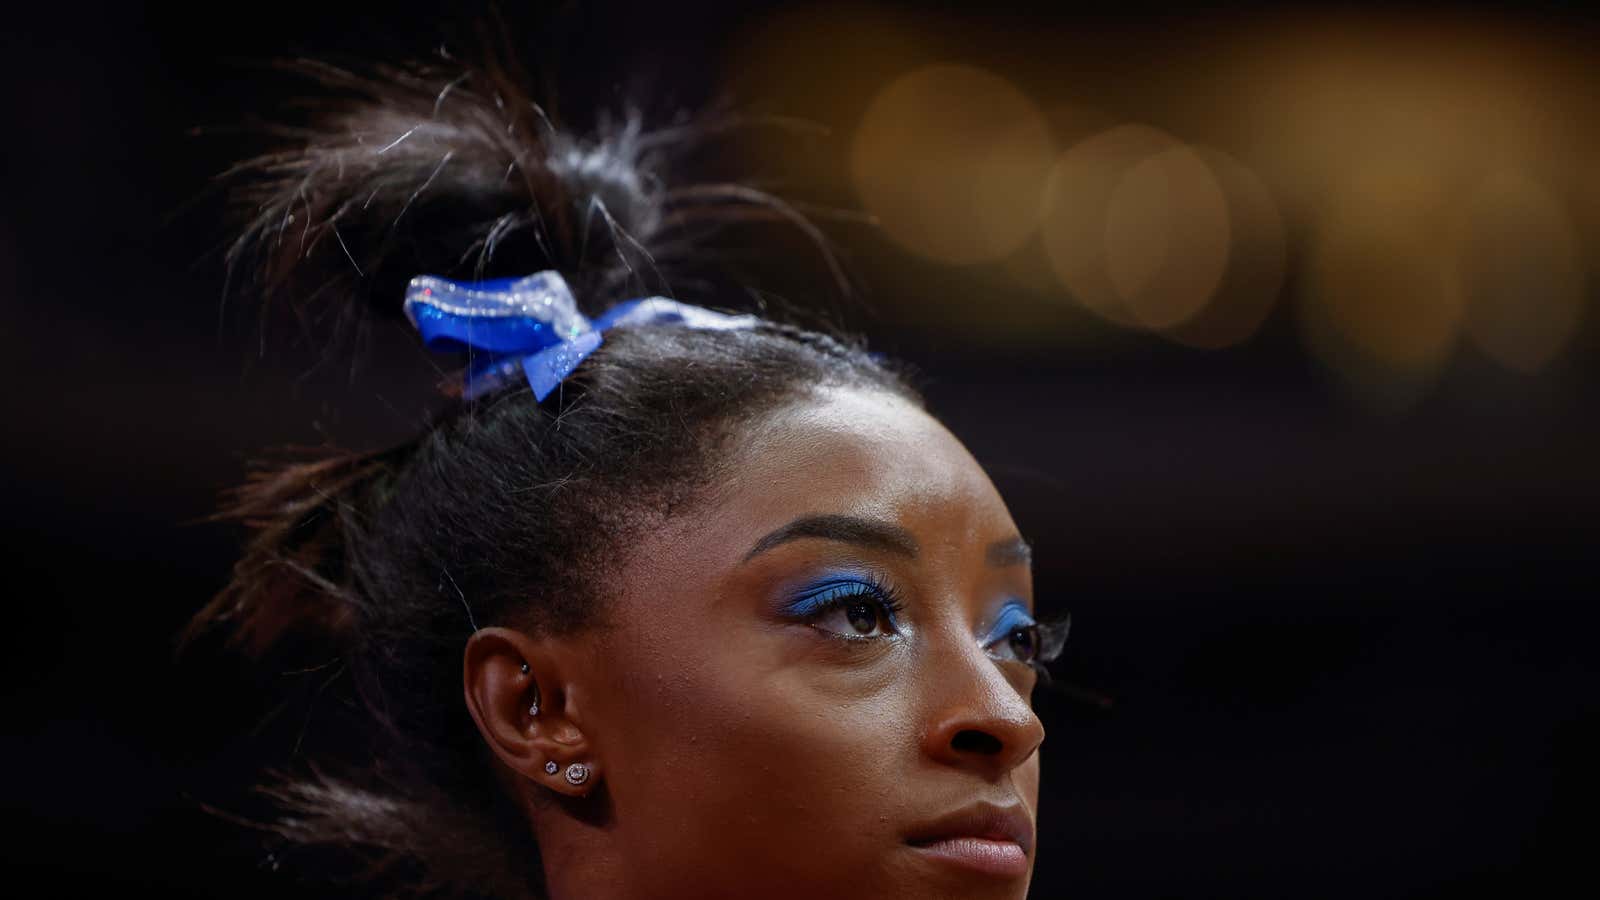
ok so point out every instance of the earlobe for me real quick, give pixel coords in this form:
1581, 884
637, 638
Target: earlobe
518, 694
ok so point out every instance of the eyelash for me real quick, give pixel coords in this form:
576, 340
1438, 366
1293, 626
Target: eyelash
1050, 635
1052, 638
870, 587
1045, 639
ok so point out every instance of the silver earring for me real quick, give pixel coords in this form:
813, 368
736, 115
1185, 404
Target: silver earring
524, 668
533, 710
577, 773
550, 768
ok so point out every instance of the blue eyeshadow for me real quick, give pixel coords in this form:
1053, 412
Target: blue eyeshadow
821, 593
1010, 616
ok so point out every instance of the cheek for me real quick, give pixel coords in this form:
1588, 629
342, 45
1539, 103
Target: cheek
744, 766
1027, 779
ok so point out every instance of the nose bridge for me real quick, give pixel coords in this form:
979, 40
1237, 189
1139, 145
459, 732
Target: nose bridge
976, 717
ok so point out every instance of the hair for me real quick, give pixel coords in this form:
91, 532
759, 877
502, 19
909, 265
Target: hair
503, 510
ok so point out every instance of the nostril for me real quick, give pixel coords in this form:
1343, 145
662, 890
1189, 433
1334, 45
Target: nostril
969, 741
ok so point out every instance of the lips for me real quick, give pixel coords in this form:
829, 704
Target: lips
994, 839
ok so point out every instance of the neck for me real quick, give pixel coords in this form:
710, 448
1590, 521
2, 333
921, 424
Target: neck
578, 847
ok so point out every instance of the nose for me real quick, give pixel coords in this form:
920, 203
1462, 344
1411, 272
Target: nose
979, 720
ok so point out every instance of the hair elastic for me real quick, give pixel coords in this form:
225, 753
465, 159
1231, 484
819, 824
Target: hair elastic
532, 325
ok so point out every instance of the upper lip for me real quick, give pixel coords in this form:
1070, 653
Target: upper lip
983, 820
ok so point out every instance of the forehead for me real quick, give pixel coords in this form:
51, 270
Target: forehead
857, 452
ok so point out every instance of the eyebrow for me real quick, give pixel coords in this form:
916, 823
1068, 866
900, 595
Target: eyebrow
1009, 552
879, 535
873, 533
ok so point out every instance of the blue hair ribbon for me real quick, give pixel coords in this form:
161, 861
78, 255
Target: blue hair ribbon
532, 325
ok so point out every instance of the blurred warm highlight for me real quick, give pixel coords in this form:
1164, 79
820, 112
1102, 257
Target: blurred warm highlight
950, 159
1400, 191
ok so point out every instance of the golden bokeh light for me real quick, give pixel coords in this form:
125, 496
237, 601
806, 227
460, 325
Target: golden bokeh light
1322, 96
1077, 203
1031, 269
1137, 227
781, 54
951, 160
1379, 303
1353, 179
1519, 269
1166, 237
1257, 261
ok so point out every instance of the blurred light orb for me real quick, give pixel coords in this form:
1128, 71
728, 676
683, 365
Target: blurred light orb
1076, 225
1256, 265
1380, 303
1520, 272
1137, 227
1166, 237
951, 160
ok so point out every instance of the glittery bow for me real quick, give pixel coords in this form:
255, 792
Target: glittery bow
532, 325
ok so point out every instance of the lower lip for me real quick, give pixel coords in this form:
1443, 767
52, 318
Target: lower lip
1003, 858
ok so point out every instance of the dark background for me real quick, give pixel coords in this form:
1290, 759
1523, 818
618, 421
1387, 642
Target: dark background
1350, 653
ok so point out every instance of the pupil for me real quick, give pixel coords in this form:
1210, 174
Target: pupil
862, 616
1022, 643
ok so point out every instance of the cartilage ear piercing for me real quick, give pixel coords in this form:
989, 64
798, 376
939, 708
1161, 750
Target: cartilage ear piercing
577, 773
534, 709
524, 668
550, 768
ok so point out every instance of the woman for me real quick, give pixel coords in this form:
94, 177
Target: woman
669, 602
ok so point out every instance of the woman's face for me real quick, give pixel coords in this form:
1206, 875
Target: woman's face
812, 681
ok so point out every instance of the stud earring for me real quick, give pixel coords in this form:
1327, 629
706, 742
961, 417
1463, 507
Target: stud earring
550, 768
524, 668
577, 773
534, 709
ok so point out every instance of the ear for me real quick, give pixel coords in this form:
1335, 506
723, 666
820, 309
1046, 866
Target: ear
499, 696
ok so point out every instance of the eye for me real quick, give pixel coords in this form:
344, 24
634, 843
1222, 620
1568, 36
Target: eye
1021, 643
1016, 636
859, 618
853, 610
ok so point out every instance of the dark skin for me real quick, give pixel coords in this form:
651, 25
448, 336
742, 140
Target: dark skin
739, 751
